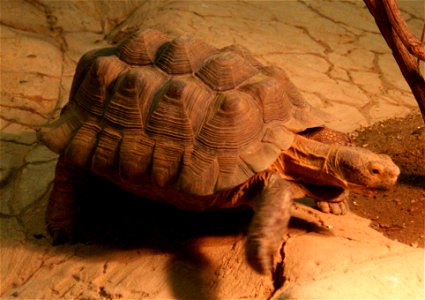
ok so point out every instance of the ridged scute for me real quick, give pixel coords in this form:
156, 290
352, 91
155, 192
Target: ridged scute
168, 119
80, 149
105, 157
244, 52
302, 114
141, 47
84, 65
135, 154
57, 135
233, 121
226, 70
92, 94
177, 113
272, 98
183, 55
134, 93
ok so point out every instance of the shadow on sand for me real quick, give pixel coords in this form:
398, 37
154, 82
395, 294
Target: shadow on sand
117, 220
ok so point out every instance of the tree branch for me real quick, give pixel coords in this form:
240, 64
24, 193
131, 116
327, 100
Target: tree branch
411, 42
403, 56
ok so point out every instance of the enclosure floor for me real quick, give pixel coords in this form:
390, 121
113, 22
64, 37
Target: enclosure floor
335, 55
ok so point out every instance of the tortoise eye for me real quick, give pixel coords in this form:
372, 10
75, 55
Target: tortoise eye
375, 171
375, 168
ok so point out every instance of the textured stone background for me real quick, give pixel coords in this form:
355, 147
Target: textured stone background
333, 52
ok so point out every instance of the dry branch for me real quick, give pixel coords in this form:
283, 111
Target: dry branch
410, 41
406, 48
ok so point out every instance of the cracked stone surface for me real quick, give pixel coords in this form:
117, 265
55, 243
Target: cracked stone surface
332, 51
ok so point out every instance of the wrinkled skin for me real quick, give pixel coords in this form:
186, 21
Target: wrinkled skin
320, 171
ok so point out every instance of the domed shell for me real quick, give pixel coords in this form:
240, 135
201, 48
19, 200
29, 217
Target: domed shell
178, 112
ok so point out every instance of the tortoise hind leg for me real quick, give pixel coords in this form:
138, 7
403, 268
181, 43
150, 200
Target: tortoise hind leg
269, 224
63, 211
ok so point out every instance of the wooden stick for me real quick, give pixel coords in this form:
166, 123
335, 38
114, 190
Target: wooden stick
405, 60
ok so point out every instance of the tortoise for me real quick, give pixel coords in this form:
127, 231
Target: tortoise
179, 121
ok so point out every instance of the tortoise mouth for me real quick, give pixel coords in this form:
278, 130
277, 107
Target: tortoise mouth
369, 191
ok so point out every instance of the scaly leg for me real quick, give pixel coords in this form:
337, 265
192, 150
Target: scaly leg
63, 211
338, 204
269, 224
329, 199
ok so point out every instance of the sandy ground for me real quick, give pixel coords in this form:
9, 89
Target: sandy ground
400, 212
332, 51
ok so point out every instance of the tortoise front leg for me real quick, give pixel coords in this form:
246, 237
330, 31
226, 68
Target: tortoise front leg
269, 224
329, 199
338, 204
63, 211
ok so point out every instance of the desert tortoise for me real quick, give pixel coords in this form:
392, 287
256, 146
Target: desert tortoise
179, 121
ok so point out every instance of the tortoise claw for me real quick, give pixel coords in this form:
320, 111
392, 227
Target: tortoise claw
336, 208
259, 253
66, 234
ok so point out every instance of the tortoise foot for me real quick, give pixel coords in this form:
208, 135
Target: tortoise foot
65, 233
259, 253
269, 224
336, 208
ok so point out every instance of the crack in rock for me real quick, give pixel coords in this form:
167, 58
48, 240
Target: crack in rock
278, 273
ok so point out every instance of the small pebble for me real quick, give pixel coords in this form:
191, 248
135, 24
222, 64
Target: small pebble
38, 236
414, 244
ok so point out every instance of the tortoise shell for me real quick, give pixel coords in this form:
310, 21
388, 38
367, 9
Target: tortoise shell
178, 112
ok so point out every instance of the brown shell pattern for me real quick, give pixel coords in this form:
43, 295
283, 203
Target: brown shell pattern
178, 112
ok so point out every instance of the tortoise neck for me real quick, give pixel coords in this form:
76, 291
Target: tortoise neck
311, 162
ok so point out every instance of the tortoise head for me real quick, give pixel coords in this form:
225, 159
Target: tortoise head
360, 169
348, 167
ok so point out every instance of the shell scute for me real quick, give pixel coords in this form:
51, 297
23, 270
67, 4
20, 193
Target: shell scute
290, 89
80, 149
228, 163
199, 175
92, 92
141, 47
168, 119
302, 114
196, 99
134, 91
84, 64
182, 55
58, 135
245, 53
274, 101
178, 113
279, 136
260, 156
105, 158
167, 159
123, 108
233, 120
226, 70
135, 158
